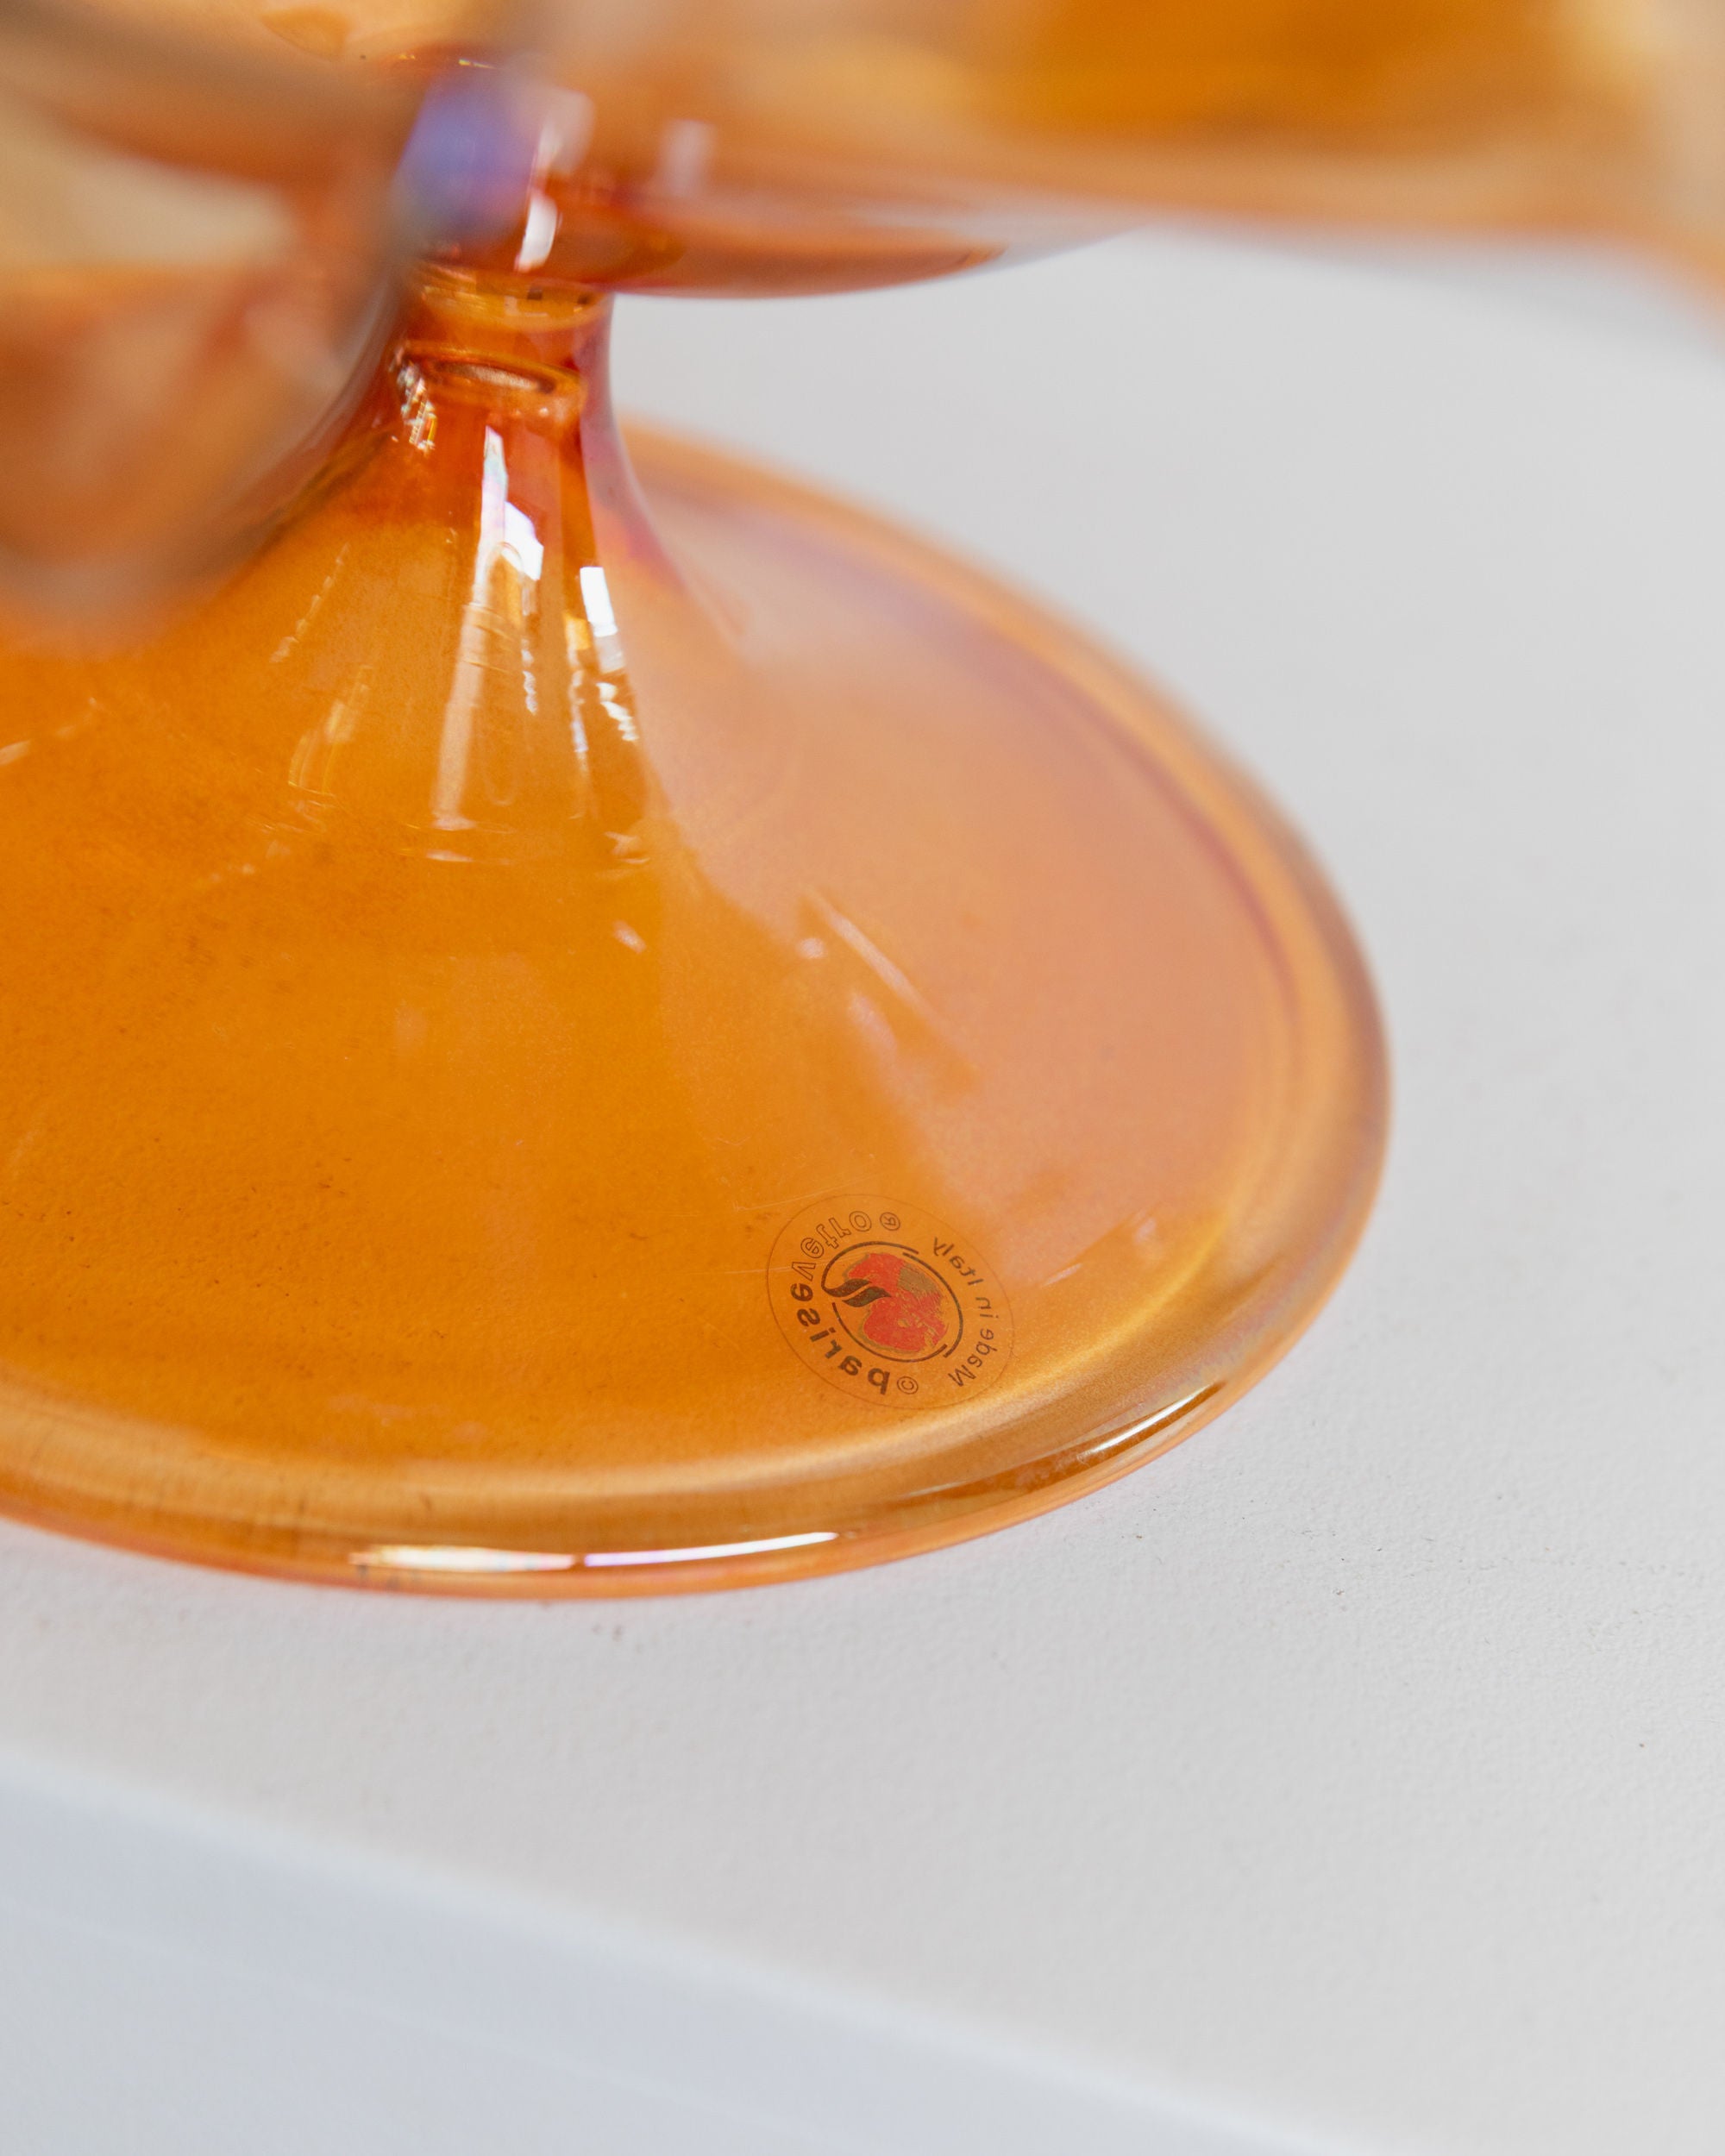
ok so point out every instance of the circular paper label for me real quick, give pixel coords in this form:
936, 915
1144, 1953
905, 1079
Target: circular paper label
882, 1301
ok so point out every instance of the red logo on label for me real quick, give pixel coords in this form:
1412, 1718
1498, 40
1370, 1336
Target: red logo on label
904, 1306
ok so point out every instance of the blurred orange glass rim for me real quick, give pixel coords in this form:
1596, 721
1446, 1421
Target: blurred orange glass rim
196, 270
1001, 118
197, 218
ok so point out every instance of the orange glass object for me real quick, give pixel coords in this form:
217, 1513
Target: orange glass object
765, 145
196, 273
564, 1037
544, 1050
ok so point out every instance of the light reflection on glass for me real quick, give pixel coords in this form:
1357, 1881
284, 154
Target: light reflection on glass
538, 234
596, 597
459, 1558
1149, 1425
467, 1557
599, 1557
507, 564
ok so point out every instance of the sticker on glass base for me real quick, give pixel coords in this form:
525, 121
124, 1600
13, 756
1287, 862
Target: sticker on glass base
885, 1302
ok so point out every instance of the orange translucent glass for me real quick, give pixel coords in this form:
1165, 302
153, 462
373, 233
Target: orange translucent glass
761, 145
548, 1050
196, 269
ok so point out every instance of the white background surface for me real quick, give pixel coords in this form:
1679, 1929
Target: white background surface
1350, 1779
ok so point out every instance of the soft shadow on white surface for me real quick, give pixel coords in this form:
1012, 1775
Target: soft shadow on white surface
171, 1985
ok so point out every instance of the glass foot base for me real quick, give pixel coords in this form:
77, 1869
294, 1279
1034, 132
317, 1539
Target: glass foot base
888, 1078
